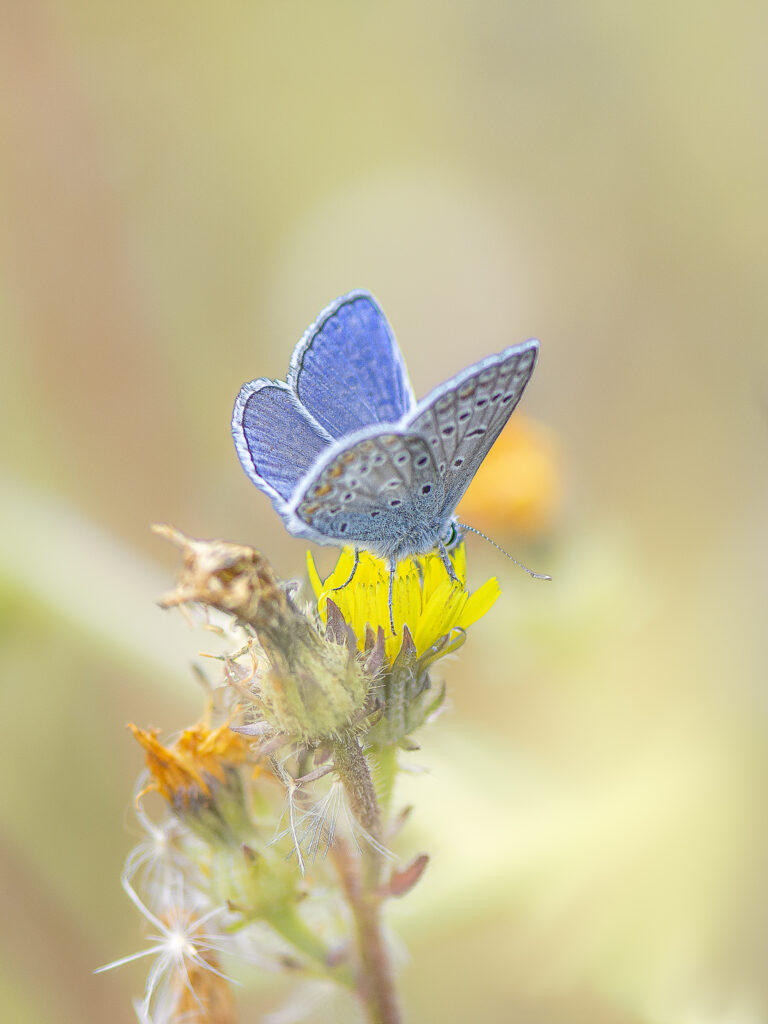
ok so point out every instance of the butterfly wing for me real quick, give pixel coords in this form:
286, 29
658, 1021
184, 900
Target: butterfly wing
277, 442
380, 491
461, 419
348, 371
343, 450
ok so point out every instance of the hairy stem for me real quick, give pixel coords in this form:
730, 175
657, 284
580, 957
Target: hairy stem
376, 985
355, 773
360, 872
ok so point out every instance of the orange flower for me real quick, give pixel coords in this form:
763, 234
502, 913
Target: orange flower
186, 982
204, 993
517, 487
186, 769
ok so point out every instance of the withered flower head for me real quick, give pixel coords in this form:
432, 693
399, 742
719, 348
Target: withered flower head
315, 687
199, 776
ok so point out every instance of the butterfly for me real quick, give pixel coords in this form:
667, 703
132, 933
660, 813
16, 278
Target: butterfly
348, 456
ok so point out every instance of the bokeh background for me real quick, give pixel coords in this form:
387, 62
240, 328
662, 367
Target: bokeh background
182, 188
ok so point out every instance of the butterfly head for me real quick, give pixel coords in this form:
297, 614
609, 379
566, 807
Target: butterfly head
452, 535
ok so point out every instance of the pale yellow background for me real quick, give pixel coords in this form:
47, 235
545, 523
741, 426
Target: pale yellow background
183, 186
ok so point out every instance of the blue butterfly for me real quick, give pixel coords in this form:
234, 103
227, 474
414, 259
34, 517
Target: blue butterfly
348, 456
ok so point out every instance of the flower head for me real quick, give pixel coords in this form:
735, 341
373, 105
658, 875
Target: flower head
314, 689
199, 777
424, 598
185, 982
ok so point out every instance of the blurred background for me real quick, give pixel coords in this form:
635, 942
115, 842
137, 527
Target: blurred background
182, 188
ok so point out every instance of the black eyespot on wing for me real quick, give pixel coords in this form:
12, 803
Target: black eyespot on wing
395, 502
426, 488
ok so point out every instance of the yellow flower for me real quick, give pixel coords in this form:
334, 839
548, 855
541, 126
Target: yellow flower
423, 597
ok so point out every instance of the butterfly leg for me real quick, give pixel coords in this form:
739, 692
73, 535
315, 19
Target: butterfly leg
447, 562
392, 571
351, 575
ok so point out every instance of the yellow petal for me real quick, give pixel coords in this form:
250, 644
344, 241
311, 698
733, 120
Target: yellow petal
424, 597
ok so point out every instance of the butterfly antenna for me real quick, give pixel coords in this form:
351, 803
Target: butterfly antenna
535, 575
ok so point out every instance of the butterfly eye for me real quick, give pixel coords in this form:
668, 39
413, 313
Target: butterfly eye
452, 537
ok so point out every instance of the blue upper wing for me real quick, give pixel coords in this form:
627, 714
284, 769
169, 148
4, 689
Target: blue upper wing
275, 439
347, 369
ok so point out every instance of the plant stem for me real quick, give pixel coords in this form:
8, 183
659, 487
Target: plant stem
359, 872
290, 926
376, 986
355, 773
385, 770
